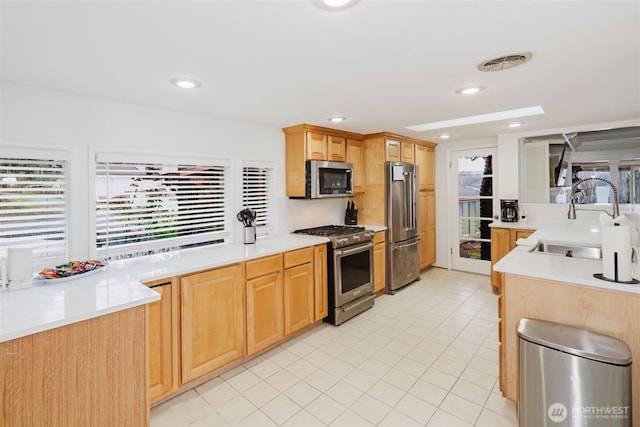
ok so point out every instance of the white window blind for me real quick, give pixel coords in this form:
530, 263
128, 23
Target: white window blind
144, 208
256, 192
33, 205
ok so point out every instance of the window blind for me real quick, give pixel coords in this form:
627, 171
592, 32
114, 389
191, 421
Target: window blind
256, 192
33, 205
144, 208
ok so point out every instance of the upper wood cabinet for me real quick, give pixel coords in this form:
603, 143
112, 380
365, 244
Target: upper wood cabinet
307, 142
425, 159
213, 320
407, 152
392, 150
355, 155
163, 340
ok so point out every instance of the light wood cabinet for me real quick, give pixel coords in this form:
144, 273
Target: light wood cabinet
392, 152
307, 142
503, 240
299, 309
320, 283
355, 155
88, 373
164, 361
425, 159
379, 262
407, 154
265, 304
212, 320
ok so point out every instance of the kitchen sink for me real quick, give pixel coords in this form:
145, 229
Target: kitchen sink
572, 250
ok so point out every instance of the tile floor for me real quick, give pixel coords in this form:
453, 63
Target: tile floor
426, 356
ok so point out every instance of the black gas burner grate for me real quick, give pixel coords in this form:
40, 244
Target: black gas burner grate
331, 230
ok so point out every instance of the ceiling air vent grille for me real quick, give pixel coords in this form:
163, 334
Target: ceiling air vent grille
504, 62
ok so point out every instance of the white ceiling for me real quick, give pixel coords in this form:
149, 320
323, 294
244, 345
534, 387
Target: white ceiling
385, 64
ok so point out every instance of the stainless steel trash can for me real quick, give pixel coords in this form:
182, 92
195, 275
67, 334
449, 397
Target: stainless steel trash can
572, 377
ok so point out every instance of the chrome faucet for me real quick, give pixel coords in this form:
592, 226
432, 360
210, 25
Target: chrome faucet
572, 204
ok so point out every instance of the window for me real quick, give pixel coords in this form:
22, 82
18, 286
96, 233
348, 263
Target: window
256, 192
144, 208
33, 201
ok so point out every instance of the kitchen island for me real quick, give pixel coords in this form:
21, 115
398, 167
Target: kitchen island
563, 290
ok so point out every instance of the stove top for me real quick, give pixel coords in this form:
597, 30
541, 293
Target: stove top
340, 235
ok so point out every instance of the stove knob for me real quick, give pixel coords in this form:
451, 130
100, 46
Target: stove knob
342, 241
369, 234
356, 237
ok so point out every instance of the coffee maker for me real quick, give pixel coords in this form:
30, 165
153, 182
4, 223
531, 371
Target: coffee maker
509, 210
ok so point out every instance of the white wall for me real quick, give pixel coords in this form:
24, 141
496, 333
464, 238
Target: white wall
41, 118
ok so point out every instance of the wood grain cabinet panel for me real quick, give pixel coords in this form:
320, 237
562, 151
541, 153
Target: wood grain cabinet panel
265, 311
299, 309
379, 262
316, 146
213, 320
320, 284
407, 154
163, 341
392, 150
355, 155
336, 148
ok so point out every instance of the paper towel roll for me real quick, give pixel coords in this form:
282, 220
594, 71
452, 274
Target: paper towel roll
616, 253
19, 267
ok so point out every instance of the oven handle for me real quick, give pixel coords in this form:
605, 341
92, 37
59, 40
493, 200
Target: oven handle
351, 251
415, 242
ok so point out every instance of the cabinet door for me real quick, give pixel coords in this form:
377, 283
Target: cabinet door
392, 150
212, 313
337, 149
379, 270
316, 144
430, 209
320, 282
355, 155
406, 152
424, 249
430, 236
500, 246
163, 375
298, 298
425, 159
265, 311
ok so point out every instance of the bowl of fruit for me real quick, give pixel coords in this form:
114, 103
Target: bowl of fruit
70, 270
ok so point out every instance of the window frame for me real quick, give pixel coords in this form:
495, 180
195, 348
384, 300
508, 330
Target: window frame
150, 247
32, 152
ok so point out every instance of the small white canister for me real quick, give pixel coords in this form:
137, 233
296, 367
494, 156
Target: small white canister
19, 268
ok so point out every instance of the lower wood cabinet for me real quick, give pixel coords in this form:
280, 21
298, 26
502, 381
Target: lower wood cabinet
427, 221
265, 303
299, 309
379, 262
163, 340
320, 284
503, 240
212, 320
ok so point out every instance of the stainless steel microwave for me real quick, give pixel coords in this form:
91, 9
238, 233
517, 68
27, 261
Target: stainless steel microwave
328, 179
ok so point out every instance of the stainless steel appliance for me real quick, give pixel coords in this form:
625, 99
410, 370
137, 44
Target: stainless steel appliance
328, 179
509, 210
403, 258
350, 265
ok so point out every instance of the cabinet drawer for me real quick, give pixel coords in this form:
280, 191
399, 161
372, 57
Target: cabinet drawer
298, 257
379, 237
266, 265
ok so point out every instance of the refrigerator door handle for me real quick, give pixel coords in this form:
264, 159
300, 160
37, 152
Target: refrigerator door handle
406, 245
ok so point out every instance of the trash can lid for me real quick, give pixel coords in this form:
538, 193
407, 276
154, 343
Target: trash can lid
576, 341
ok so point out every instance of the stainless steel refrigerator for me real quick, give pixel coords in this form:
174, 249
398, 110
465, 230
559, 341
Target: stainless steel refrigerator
403, 237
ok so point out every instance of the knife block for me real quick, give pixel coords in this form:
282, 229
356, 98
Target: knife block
351, 217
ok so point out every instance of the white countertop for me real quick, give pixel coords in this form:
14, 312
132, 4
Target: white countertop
119, 286
559, 268
520, 225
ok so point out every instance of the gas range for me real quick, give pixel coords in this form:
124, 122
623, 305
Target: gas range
340, 236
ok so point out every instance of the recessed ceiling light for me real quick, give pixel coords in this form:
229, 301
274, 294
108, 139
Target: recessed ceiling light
337, 119
334, 4
185, 83
444, 136
470, 90
515, 124
481, 118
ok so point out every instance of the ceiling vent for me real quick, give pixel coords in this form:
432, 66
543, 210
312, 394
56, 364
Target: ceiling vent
504, 62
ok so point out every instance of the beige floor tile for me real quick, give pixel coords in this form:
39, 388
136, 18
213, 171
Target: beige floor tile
415, 408
280, 409
370, 409
396, 418
301, 419
350, 419
302, 393
236, 409
325, 409
471, 392
461, 408
442, 418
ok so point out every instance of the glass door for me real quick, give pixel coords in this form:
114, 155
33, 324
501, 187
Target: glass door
473, 179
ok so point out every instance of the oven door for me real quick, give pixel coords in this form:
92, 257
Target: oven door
353, 273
